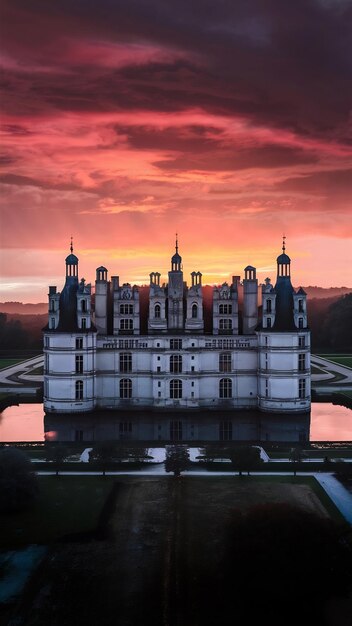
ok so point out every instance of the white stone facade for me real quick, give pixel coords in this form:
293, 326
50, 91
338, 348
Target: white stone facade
168, 354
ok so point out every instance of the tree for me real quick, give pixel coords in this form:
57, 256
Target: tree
177, 459
106, 452
18, 481
56, 454
245, 458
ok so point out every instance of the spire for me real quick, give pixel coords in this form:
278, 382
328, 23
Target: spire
176, 246
284, 243
176, 259
71, 246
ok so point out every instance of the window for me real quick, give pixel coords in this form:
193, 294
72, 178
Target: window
225, 430
79, 364
125, 427
176, 364
126, 324
126, 309
175, 389
79, 389
79, 343
125, 388
83, 305
225, 309
225, 362
266, 360
47, 342
194, 311
301, 362
52, 306
225, 324
157, 311
301, 342
125, 362
84, 323
268, 306
158, 369
266, 341
300, 322
302, 388
52, 325
175, 430
192, 368
159, 383
300, 306
78, 435
225, 388
266, 388
176, 344
268, 322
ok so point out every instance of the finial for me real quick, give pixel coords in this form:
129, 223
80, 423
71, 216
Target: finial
71, 246
176, 244
283, 243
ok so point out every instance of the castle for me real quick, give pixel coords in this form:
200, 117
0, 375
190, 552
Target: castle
177, 347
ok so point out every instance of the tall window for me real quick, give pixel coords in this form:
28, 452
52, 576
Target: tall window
79, 389
225, 309
79, 364
225, 430
176, 344
301, 342
225, 362
84, 323
175, 389
126, 324
176, 364
175, 430
300, 322
157, 311
301, 362
52, 325
194, 311
125, 388
79, 343
126, 309
125, 362
225, 325
83, 305
268, 322
268, 306
302, 388
125, 429
300, 306
225, 388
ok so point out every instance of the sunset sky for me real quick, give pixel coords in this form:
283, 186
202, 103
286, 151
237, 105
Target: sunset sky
125, 121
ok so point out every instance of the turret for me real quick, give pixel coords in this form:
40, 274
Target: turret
101, 299
175, 292
250, 300
157, 321
194, 304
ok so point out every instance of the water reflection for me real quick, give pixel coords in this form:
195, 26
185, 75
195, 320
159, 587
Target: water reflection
27, 422
162, 427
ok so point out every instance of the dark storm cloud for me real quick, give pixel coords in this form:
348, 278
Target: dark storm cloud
287, 64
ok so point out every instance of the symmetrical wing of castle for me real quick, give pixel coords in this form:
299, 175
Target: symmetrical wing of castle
170, 346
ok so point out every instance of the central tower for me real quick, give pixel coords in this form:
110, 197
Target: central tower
175, 292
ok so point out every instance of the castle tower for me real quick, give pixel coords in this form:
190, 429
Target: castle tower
175, 292
194, 314
250, 300
283, 345
157, 321
225, 308
69, 345
125, 309
101, 299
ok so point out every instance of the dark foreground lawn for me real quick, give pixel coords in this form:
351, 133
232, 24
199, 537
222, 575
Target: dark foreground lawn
193, 551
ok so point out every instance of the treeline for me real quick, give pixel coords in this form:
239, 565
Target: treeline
330, 321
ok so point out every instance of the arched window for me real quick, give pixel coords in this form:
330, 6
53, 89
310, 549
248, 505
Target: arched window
300, 306
225, 388
175, 389
194, 311
157, 311
79, 389
125, 388
176, 364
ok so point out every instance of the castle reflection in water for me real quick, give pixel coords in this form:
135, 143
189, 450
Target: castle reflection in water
163, 427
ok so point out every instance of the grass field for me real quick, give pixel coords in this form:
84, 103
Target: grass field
8, 362
340, 359
69, 504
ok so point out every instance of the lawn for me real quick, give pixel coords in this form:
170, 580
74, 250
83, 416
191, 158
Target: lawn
65, 505
9, 362
340, 359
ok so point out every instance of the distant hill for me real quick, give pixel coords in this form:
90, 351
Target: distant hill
329, 292
23, 309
